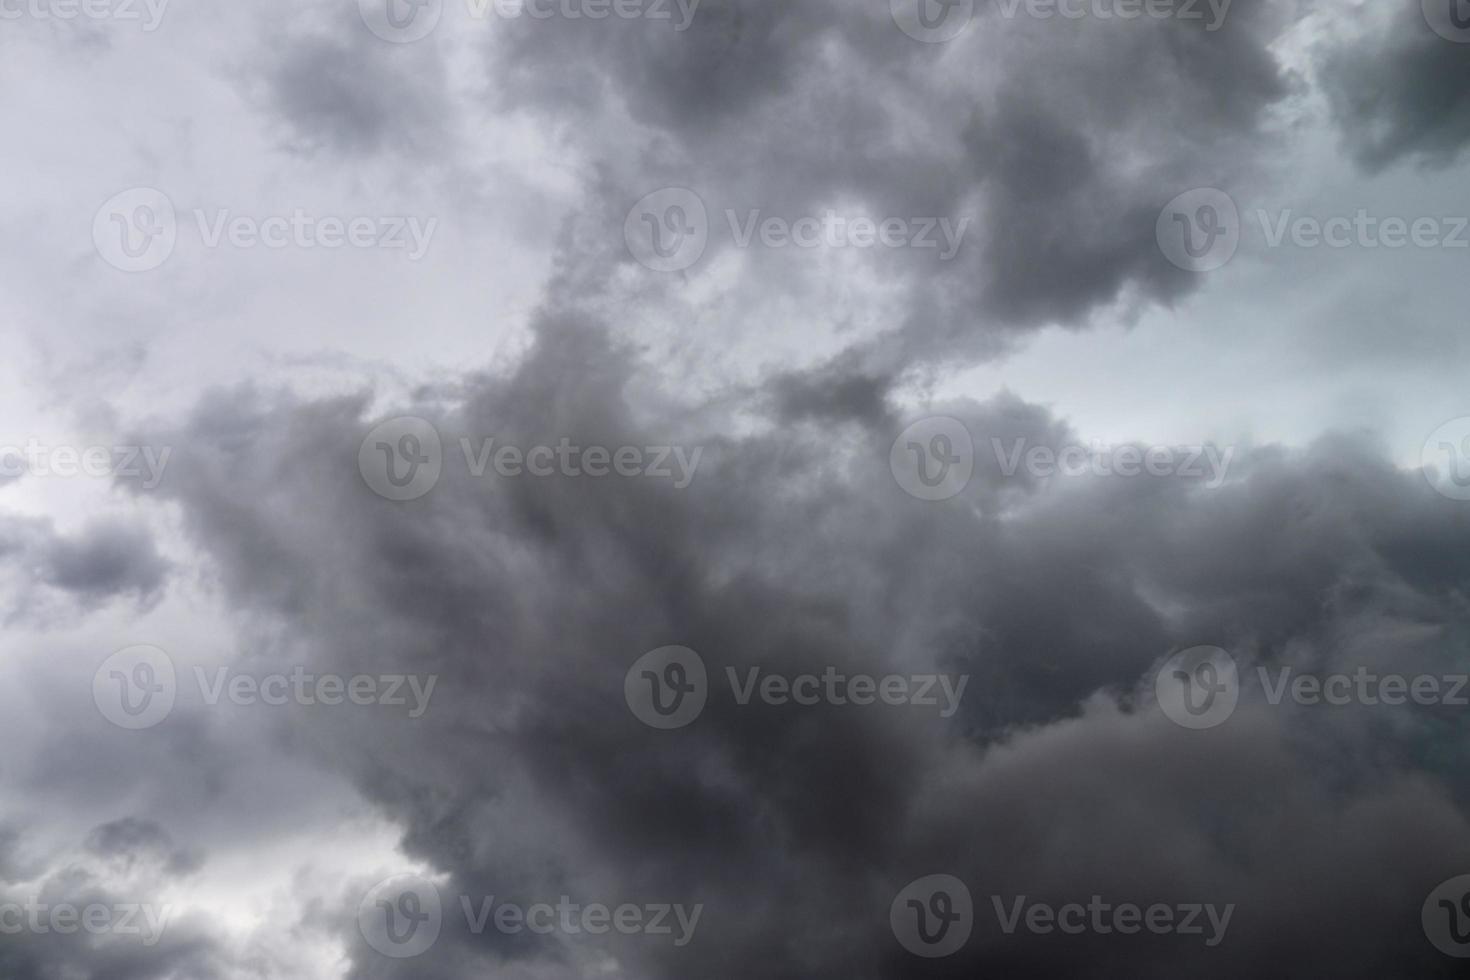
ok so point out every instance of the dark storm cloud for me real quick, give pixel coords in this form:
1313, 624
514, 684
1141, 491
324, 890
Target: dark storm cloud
796, 549
836, 392
1401, 95
351, 95
106, 559
1061, 139
131, 839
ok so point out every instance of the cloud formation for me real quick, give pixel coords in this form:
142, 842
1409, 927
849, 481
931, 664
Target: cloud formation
679, 415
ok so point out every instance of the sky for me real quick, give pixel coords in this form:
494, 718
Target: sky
641, 489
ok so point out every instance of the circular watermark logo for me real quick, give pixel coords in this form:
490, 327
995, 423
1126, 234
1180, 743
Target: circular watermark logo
135, 687
668, 230
1198, 688
401, 459
667, 688
1199, 230
401, 21
932, 21
934, 458
1450, 19
1446, 459
933, 916
401, 916
1446, 917
136, 231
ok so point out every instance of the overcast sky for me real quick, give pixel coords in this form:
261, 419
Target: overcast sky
650, 489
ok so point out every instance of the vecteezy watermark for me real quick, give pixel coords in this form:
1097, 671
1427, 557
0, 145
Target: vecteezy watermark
1450, 19
1201, 687
138, 230
402, 917
401, 21
1102, 918
833, 230
403, 458
668, 688
1198, 688
933, 916
1445, 459
137, 687
932, 21
669, 230
933, 459
1362, 230
1201, 230
679, 13
1446, 917
1364, 687
149, 13
1213, 12
146, 463
1186, 462
95, 918
406, 21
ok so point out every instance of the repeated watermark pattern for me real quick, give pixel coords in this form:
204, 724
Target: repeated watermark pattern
1201, 230
1205, 462
934, 459
147, 14
670, 229
668, 688
932, 21
403, 459
1445, 459
1363, 686
142, 463
941, 21
403, 916
1445, 917
1450, 19
1201, 687
1210, 13
131, 919
138, 231
1363, 229
934, 916
138, 686
1102, 918
406, 21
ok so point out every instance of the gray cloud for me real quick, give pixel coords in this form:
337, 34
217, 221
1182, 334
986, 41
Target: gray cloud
793, 549
531, 598
350, 96
1400, 95
1020, 125
107, 559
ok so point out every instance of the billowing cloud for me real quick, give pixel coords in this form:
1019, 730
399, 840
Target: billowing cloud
762, 506
1058, 597
1400, 93
105, 560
